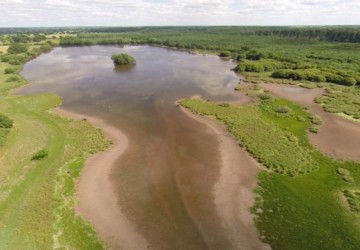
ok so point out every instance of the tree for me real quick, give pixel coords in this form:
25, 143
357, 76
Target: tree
123, 59
17, 48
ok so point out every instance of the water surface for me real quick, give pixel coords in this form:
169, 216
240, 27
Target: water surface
165, 179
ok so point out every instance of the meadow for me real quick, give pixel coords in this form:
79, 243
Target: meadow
42, 154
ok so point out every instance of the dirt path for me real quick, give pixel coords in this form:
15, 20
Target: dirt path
337, 137
233, 192
97, 201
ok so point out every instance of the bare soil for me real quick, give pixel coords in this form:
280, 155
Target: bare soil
97, 201
233, 192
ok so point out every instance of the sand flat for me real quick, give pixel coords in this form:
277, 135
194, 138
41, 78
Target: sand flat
233, 192
97, 201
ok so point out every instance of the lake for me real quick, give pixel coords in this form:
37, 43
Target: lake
165, 179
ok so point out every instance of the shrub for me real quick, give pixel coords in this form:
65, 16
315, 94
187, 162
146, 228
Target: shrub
314, 130
265, 97
123, 59
46, 47
225, 54
224, 104
283, 110
343, 171
254, 55
315, 119
17, 48
5, 122
13, 79
43, 153
10, 70
300, 118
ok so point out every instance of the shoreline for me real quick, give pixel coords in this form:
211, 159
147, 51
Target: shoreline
338, 137
233, 191
97, 201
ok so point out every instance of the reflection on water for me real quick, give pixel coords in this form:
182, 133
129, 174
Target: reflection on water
165, 179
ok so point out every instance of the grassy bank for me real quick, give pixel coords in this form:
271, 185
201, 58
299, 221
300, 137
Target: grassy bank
37, 195
301, 200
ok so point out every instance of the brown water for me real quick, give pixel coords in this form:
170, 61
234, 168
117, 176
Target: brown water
165, 180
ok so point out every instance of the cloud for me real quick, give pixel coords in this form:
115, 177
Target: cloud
177, 12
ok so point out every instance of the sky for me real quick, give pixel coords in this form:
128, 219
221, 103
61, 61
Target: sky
48, 13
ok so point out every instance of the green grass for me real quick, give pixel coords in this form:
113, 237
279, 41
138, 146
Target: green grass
31, 212
307, 211
37, 197
277, 149
338, 99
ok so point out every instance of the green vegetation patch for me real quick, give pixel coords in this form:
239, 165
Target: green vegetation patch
5, 121
338, 99
304, 212
40, 160
353, 200
123, 59
274, 147
41, 154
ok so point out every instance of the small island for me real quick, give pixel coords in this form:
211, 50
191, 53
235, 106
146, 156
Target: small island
123, 59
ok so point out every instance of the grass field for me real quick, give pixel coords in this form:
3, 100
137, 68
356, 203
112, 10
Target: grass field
307, 211
37, 198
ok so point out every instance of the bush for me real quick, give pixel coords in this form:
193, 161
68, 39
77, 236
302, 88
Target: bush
123, 59
315, 119
43, 153
314, 130
225, 54
13, 79
17, 48
343, 171
283, 110
254, 55
5, 122
300, 118
10, 70
46, 47
265, 97
224, 104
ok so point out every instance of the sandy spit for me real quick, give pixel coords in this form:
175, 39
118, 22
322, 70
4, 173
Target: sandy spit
337, 137
233, 192
97, 201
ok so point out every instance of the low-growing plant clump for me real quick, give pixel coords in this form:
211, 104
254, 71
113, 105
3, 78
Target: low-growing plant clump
343, 100
5, 121
314, 130
43, 153
345, 174
353, 200
123, 59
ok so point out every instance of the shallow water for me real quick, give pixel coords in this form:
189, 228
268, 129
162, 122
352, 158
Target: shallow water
165, 179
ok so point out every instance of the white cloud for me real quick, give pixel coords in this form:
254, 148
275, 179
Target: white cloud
177, 12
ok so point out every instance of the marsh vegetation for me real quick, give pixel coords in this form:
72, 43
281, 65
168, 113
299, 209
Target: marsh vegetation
305, 200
